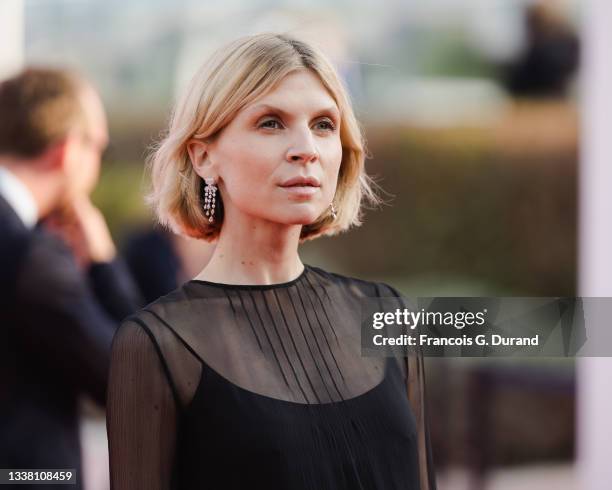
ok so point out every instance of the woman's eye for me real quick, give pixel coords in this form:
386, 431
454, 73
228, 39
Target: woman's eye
270, 124
327, 125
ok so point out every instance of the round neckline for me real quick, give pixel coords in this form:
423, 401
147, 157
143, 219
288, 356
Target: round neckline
253, 286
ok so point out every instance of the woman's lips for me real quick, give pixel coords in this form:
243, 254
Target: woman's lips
300, 190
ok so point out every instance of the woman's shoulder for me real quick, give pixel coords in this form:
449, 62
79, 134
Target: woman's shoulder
160, 313
191, 299
367, 287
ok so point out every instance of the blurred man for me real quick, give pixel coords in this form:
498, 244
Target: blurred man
63, 291
551, 55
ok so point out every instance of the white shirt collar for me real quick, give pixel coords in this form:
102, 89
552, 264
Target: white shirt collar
19, 197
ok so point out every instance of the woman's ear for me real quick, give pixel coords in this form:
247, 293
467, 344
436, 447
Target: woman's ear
199, 157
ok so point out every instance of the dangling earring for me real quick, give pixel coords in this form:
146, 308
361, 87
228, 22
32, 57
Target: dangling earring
209, 198
333, 211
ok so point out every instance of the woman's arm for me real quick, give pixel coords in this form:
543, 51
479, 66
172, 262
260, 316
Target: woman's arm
415, 380
141, 415
415, 386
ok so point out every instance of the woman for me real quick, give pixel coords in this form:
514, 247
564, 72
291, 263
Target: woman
250, 375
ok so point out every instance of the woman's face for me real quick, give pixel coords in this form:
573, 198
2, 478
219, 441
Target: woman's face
292, 132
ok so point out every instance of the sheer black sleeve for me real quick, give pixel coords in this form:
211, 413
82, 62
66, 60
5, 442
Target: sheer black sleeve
417, 396
415, 385
141, 412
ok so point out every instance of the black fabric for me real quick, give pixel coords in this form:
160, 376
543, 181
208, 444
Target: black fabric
218, 386
114, 288
55, 344
153, 262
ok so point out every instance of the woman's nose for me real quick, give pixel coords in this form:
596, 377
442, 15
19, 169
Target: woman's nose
303, 150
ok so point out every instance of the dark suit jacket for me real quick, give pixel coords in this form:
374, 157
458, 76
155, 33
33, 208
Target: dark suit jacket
56, 327
152, 262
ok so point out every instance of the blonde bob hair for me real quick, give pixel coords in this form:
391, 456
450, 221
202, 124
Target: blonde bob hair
233, 77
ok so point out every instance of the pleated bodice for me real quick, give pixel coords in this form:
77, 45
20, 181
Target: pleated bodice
263, 386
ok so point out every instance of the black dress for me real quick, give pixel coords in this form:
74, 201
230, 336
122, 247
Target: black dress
218, 386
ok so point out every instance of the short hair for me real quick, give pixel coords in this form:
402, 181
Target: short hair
234, 76
38, 107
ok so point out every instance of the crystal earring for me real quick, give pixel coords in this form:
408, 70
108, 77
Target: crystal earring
333, 211
209, 198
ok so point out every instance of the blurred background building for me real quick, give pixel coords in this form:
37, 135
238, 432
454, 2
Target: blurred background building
470, 109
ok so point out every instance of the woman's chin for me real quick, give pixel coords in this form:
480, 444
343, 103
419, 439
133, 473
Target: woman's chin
303, 218
299, 214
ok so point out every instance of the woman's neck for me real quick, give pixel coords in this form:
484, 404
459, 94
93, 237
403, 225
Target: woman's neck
257, 253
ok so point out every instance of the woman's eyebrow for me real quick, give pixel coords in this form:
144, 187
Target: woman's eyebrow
267, 107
